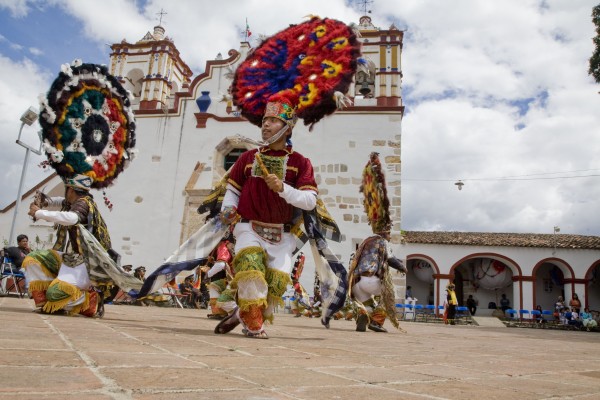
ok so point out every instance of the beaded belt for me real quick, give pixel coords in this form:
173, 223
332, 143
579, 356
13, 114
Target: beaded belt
270, 232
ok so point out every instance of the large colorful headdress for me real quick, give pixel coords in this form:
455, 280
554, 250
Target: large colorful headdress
309, 67
376, 202
87, 124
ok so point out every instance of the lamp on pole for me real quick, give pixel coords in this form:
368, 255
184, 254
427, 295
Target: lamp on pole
556, 230
28, 118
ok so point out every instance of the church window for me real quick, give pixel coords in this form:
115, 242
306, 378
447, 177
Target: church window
232, 157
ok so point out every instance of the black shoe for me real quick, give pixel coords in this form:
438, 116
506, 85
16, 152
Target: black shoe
376, 327
361, 323
229, 323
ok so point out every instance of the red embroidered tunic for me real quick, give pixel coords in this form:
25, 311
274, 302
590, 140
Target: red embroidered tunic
257, 201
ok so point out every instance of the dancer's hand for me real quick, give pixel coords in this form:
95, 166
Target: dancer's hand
229, 215
32, 209
274, 183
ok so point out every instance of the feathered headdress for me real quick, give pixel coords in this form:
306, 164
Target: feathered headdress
375, 200
87, 123
309, 66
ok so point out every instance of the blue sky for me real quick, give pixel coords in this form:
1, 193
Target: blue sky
496, 93
39, 37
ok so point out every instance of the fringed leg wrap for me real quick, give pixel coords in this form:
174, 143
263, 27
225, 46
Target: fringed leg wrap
378, 316
48, 261
39, 297
252, 318
218, 286
89, 306
37, 290
226, 301
252, 289
277, 282
40, 267
59, 295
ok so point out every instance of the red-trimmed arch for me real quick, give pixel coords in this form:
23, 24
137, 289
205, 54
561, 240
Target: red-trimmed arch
431, 261
513, 265
560, 263
588, 277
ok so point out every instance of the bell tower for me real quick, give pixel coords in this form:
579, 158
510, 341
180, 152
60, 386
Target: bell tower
379, 83
151, 69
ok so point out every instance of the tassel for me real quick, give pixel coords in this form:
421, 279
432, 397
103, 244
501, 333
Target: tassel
107, 201
44, 165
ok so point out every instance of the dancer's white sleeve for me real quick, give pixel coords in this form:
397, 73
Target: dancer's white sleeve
59, 217
303, 199
231, 198
55, 201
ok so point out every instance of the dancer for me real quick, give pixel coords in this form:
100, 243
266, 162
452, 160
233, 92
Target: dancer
301, 303
71, 287
88, 132
304, 71
370, 284
264, 243
220, 274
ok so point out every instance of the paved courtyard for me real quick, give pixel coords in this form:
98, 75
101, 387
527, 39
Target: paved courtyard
168, 353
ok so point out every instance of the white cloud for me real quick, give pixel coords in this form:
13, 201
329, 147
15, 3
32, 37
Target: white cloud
19, 93
200, 29
35, 51
17, 8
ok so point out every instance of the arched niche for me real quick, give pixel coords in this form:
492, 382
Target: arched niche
134, 81
227, 146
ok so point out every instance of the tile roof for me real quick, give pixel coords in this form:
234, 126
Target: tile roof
561, 241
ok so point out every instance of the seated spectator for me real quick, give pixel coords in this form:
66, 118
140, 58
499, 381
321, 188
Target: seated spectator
18, 253
192, 294
140, 273
472, 304
572, 318
575, 304
587, 319
504, 303
559, 306
539, 318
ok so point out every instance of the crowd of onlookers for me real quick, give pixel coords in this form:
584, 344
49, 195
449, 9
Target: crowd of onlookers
573, 315
565, 315
190, 293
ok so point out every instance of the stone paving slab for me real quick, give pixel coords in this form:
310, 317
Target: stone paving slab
168, 353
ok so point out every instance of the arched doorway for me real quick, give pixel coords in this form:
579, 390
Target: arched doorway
592, 299
421, 278
550, 277
549, 284
486, 277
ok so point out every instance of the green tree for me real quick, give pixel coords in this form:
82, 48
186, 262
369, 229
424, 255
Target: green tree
595, 59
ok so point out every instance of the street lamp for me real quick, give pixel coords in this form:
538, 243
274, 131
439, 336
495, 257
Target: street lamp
28, 118
556, 230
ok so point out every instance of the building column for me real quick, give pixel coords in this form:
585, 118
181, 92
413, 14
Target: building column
524, 289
